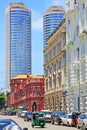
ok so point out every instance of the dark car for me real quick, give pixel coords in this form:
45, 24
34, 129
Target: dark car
8, 124
10, 113
28, 116
57, 116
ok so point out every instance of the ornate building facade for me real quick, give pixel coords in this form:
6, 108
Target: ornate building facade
76, 55
27, 91
54, 69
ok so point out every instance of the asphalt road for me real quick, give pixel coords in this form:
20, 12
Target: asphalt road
48, 126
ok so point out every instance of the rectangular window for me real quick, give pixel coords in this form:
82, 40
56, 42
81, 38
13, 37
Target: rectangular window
75, 2
77, 53
77, 31
83, 5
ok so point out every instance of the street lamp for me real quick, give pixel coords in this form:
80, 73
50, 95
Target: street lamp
78, 74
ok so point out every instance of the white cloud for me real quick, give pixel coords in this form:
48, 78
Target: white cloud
58, 2
37, 20
37, 24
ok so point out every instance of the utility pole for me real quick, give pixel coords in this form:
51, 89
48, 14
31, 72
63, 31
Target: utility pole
78, 74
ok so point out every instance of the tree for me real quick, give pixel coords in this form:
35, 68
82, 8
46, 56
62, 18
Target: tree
2, 100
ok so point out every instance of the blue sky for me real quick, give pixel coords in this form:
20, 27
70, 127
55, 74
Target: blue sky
37, 7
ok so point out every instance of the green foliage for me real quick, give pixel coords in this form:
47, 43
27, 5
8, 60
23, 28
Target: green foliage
2, 101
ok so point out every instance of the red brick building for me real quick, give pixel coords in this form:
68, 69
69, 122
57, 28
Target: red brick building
27, 91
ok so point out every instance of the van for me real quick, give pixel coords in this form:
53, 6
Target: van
47, 115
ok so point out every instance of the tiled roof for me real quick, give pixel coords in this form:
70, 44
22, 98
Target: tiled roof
20, 77
25, 76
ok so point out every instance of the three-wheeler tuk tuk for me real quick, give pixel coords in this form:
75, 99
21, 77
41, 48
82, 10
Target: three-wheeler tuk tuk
38, 119
75, 118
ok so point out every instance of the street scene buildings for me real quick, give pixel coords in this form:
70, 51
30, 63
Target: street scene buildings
64, 85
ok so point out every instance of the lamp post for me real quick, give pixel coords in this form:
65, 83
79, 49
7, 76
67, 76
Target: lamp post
79, 89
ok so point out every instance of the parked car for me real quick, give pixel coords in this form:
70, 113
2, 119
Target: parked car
57, 117
67, 120
10, 113
3, 112
19, 112
23, 113
28, 116
47, 115
84, 125
82, 121
8, 124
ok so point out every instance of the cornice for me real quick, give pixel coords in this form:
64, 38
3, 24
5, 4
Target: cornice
54, 57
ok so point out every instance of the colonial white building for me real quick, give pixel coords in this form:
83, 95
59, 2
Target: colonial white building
76, 55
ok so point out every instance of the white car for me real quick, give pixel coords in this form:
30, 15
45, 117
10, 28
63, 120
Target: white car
82, 121
67, 119
23, 113
47, 115
84, 125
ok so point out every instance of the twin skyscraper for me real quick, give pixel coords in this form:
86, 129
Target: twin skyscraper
18, 36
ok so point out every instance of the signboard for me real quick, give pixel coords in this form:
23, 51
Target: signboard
64, 93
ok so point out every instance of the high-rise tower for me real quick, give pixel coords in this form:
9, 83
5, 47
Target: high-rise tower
18, 40
51, 19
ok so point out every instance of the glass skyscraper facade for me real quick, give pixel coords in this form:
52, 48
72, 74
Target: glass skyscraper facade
51, 19
18, 40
